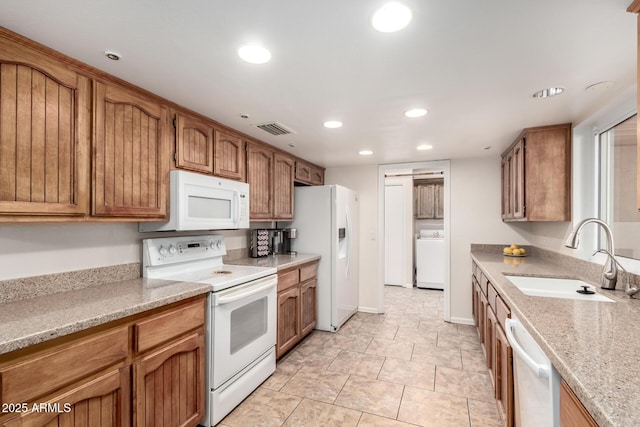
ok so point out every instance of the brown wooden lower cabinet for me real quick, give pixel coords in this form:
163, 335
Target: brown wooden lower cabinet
308, 304
572, 412
289, 330
145, 370
101, 402
169, 384
297, 312
490, 313
504, 377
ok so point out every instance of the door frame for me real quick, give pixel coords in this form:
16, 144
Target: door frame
445, 166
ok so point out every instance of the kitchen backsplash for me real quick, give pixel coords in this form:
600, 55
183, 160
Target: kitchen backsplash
29, 287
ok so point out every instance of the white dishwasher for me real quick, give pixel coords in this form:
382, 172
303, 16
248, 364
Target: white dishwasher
536, 381
430, 259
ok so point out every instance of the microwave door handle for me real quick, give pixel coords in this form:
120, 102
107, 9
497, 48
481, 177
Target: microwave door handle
236, 219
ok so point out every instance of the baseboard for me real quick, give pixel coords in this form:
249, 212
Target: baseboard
369, 310
462, 321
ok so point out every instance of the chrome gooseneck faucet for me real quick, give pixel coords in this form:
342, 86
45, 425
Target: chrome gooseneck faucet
610, 273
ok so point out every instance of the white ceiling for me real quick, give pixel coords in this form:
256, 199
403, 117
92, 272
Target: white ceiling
473, 64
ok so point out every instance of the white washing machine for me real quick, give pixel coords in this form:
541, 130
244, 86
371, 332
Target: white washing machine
430, 259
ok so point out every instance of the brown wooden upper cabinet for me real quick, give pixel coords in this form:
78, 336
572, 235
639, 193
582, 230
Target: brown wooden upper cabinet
194, 144
270, 176
260, 180
129, 164
283, 172
229, 153
536, 175
44, 134
306, 173
429, 200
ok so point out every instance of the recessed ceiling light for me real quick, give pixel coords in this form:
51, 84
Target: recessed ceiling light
332, 124
391, 17
545, 93
599, 86
114, 56
422, 147
365, 152
254, 54
291, 145
488, 147
415, 112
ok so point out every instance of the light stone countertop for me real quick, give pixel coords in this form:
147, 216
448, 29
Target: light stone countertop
594, 345
30, 321
280, 262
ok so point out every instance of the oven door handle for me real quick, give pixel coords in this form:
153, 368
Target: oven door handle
236, 296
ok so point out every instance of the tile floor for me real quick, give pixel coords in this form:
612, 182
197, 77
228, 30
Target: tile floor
406, 367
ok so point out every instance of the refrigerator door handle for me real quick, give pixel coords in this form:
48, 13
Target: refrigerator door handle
349, 234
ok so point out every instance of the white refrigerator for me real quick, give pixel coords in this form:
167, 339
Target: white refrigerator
326, 218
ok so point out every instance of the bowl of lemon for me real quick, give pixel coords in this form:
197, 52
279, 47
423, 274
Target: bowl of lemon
514, 251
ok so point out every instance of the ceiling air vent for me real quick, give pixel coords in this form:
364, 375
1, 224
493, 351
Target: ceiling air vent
275, 128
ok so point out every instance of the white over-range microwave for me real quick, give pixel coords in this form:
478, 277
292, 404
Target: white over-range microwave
202, 202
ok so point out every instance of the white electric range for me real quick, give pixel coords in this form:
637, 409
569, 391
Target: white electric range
241, 323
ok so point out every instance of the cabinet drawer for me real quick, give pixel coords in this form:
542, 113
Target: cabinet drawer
52, 369
288, 279
492, 295
168, 325
482, 280
502, 311
308, 271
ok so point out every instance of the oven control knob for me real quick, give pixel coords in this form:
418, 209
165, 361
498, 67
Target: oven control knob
218, 244
212, 244
163, 251
172, 250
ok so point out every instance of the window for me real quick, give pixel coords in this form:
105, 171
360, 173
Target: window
617, 192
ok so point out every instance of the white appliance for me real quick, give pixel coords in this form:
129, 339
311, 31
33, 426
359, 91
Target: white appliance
202, 202
536, 381
430, 259
241, 322
326, 218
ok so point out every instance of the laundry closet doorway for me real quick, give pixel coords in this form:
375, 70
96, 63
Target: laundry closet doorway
401, 218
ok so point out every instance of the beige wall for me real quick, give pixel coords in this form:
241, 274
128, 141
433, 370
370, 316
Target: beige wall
475, 218
35, 249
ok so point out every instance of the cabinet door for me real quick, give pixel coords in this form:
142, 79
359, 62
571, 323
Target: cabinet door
517, 180
572, 412
101, 402
303, 172
317, 176
283, 186
490, 344
169, 384
482, 316
129, 164
474, 310
44, 135
260, 179
288, 320
229, 156
439, 201
504, 377
425, 201
309, 308
507, 210
194, 144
